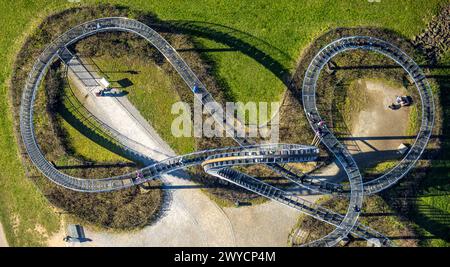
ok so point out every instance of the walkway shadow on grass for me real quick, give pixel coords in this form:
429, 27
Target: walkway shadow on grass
440, 78
207, 50
406, 196
366, 160
264, 53
434, 221
88, 130
378, 214
92, 65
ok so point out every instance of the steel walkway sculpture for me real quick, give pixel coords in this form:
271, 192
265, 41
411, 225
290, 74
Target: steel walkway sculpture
217, 162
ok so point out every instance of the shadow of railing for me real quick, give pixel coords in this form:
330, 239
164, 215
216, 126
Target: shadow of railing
91, 133
84, 123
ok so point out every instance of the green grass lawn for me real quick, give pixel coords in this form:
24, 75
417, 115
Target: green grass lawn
380, 168
279, 30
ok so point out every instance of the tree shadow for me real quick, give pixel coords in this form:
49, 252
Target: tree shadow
436, 183
90, 63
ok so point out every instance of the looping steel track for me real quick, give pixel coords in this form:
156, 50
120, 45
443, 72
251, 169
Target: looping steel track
217, 162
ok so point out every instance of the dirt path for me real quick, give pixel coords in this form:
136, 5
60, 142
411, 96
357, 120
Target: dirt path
192, 219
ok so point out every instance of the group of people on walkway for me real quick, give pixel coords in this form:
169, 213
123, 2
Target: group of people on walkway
102, 92
139, 176
320, 131
108, 91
